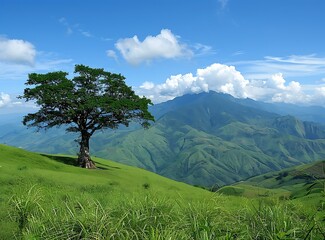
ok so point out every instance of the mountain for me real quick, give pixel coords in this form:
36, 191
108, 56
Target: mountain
304, 113
203, 139
212, 139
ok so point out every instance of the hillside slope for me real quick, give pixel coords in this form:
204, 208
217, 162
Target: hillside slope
20, 167
47, 197
306, 181
53, 180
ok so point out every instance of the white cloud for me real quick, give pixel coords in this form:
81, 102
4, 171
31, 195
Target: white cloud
216, 77
293, 94
17, 51
226, 79
223, 78
10, 104
4, 99
147, 85
277, 81
164, 45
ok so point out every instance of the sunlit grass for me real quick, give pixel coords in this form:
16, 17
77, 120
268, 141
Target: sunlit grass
43, 197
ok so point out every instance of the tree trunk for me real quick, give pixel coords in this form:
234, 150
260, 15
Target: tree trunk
84, 159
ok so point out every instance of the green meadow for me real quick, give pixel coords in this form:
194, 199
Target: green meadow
48, 197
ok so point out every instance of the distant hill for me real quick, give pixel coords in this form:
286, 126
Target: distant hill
204, 139
304, 181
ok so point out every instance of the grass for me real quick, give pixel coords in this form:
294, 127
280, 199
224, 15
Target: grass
46, 197
304, 183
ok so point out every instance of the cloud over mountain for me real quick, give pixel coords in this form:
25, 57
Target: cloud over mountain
227, 79
217, 77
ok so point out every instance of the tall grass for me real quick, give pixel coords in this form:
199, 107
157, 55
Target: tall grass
25, 208
121, 202
153, 217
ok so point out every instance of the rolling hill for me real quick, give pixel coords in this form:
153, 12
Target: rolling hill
305, 182
30, 179
45, 196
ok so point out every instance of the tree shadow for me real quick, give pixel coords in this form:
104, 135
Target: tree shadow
105, 166
73, 162
62, 159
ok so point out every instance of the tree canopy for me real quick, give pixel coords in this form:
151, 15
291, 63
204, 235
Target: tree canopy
92, 100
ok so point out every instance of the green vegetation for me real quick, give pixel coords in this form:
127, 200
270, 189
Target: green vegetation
305, 182
45, 197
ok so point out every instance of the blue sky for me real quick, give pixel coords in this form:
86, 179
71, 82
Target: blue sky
270, 50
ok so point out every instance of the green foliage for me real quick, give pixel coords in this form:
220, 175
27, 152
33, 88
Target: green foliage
91, 101
94, 98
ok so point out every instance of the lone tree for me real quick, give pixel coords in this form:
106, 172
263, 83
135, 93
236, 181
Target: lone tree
93, 100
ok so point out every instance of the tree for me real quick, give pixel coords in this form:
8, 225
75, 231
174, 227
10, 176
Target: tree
93, 100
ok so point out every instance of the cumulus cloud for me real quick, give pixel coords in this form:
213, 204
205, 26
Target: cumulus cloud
164, 45
216, 77
292, 94
17, 51
4, 99
277, 81
226, 79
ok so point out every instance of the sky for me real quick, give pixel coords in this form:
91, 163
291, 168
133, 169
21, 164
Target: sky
266, 50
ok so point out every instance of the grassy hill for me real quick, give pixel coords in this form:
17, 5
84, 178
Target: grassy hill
47, 197
55, 181
305, 182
